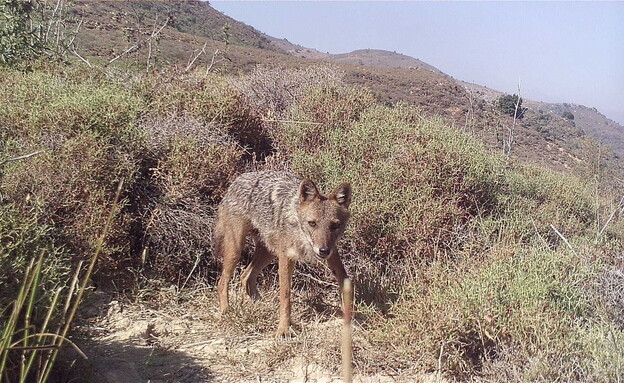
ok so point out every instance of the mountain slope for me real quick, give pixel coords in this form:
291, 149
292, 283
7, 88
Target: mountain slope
604, 130
381, 59
377, 58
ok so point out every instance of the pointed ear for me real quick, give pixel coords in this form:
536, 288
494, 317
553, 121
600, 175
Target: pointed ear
307, 191
342, 195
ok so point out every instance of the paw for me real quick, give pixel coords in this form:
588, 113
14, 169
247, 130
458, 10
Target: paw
251, 291
223, 309
284, 332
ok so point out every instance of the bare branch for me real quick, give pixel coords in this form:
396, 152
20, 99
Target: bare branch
563, 238
347, 332
139, 44
72, 46
212, 62
620, 207
58, 4
73, 50
202, 51
292, 121
149, 46
20, 157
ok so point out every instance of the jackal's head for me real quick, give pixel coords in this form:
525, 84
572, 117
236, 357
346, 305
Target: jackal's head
323, 219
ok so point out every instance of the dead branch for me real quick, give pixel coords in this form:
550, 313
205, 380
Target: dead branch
20, 157
59, 3
149, 46
140, 43
72, 46
620, 207
212, 61
292, 121
191, 62
563, 238
347, 332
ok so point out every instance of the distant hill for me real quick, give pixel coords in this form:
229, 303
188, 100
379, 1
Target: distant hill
297, 50
376, 58
381, 59
594, 123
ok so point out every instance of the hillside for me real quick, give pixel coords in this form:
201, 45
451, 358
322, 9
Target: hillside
606, 131
591, 121
381, 59
377, 58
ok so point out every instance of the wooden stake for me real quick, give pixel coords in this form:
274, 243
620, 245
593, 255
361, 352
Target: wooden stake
347, 331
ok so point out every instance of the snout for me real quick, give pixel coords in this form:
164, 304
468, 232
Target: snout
324, 252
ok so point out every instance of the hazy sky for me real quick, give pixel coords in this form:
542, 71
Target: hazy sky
561, 51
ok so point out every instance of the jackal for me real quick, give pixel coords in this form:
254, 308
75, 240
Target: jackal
288, 219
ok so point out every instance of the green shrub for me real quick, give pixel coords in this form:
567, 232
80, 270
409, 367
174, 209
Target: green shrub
43, 106
69, 189
472, 317
416, 183
86, 128
567, 115
536, 198
19, 39
23, 238
510, 105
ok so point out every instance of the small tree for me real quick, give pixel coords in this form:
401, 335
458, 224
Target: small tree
19, 41
30, 29
510, 105
567, 115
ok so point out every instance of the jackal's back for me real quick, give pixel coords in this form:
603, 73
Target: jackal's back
268, 199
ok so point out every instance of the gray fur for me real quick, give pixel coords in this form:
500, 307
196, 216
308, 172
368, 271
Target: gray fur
269, 200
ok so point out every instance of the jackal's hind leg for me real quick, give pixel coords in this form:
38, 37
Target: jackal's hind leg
262, 257
229, 239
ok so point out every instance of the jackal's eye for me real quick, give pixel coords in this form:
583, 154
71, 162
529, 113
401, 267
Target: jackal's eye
312, 223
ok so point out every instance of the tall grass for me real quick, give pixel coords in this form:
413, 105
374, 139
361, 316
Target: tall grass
28, 350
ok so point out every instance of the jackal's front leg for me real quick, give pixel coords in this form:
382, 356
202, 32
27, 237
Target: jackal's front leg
285, 271
335, 264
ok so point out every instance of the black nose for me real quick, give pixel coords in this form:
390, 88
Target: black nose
324, 251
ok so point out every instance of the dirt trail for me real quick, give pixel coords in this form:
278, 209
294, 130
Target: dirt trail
190, 343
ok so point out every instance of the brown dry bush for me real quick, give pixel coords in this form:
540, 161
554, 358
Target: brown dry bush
193, 163
211, 100
609, 288
271, 91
